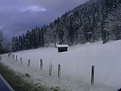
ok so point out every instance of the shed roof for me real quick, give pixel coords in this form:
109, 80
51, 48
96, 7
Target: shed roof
64, 45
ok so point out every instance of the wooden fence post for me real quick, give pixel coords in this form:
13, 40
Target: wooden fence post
50, 69
13, 56
9, 54
16, 57
59, 70
92, 75
41, 64
21, 59
28, 62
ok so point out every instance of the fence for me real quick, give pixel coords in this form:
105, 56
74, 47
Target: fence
50, 67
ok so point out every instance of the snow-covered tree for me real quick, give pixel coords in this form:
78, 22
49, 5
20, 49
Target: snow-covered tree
4, 44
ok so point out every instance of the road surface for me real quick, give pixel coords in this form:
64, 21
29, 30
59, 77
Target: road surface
4, 86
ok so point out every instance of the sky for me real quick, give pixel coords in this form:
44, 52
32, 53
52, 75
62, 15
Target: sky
18, 16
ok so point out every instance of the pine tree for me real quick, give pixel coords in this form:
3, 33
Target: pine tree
1, 42
15, 44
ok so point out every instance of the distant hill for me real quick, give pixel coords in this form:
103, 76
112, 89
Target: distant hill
93, 21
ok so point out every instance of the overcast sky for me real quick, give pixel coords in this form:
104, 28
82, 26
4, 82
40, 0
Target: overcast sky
18, 16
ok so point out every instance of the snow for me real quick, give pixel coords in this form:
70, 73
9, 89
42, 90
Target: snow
62, 45
75, 66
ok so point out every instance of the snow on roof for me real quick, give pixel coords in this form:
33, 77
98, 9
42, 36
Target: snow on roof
62, 45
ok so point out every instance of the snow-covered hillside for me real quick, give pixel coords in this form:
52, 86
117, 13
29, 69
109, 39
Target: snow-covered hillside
75, 66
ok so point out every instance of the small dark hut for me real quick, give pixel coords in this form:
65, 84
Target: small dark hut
62, 48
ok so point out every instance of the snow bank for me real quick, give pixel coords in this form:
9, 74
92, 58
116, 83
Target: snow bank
75, 66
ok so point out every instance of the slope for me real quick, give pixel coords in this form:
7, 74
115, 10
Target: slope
75, 66
86, 23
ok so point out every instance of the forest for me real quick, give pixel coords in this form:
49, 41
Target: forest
96, 20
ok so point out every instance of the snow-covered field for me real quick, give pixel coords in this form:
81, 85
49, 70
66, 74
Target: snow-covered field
75, 66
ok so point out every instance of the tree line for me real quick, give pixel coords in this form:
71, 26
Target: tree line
5, 46
31, 39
